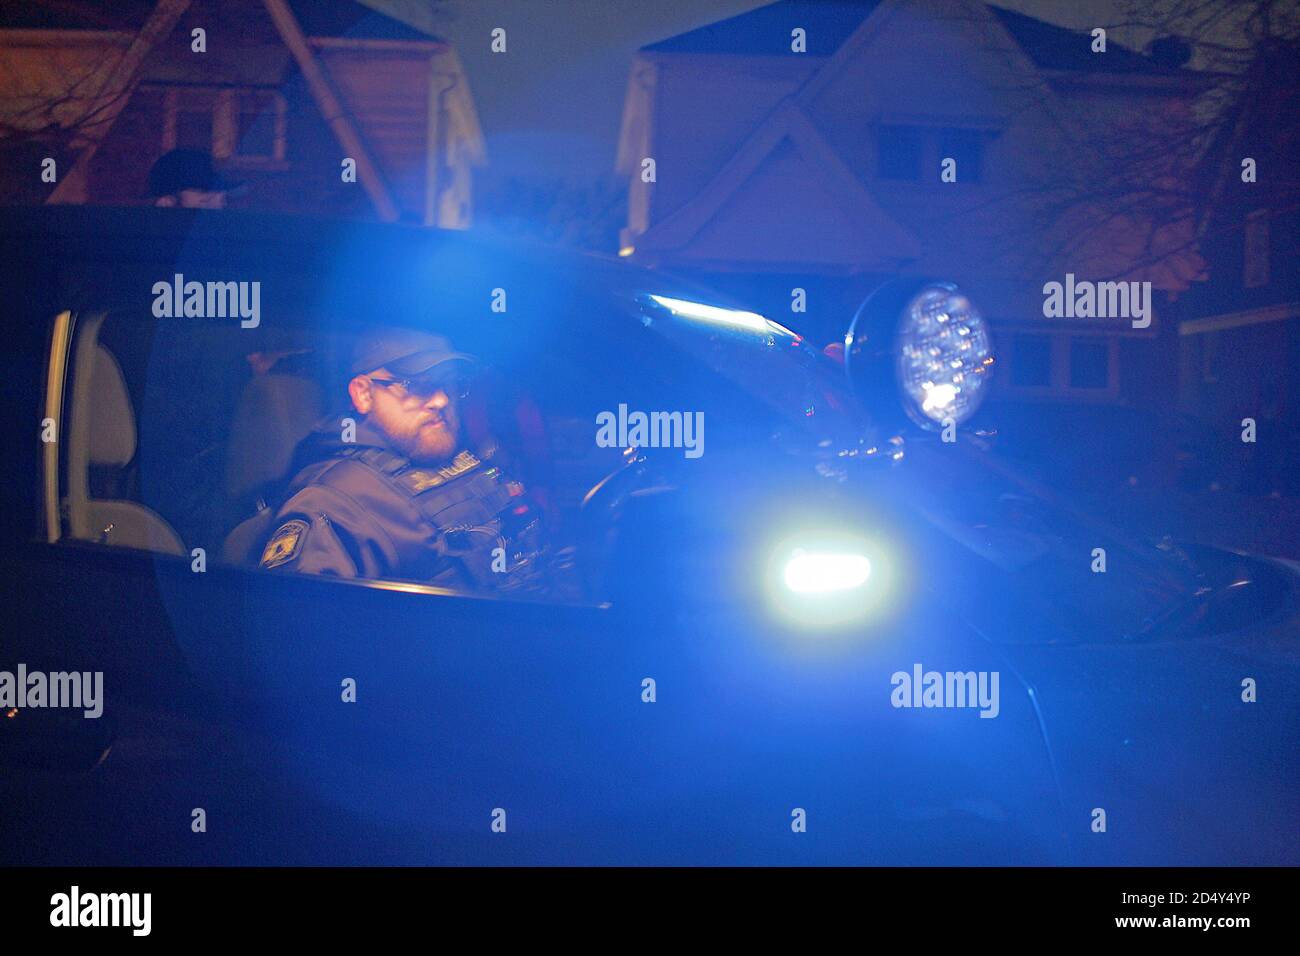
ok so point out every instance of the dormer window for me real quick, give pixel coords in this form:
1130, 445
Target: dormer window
912, 152
240, 126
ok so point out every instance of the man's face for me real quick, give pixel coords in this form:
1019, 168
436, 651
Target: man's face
420, 422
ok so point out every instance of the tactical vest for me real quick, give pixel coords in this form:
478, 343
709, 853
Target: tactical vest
488, 532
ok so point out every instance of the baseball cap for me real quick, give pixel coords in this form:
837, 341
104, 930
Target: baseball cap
403, 352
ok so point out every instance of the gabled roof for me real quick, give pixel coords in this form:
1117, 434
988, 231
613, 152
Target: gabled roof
346, 18
690, 229
1055, 48
872, 237
766, 32
268, 38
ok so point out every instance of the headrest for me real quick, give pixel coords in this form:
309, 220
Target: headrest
112, 421
275, 412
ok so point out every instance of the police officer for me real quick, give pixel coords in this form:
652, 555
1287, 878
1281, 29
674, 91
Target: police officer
394, 492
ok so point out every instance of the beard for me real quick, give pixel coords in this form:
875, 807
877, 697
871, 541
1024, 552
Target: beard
427, 440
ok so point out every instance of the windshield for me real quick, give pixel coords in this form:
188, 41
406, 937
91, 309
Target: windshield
1020, 560
771, 363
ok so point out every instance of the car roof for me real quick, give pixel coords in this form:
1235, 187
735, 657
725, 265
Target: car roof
308, 270
83, 229
333, 266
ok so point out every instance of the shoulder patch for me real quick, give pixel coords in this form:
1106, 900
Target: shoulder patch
284, 544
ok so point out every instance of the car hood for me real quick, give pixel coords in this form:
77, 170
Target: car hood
1017, 561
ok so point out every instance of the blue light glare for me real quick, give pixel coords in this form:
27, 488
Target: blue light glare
818, 578
821, 573
945, 356
736, 318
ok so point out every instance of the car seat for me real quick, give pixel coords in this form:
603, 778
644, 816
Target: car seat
102, 434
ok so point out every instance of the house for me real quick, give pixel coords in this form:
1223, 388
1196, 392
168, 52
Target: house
319, 106
826, 146
1239, 332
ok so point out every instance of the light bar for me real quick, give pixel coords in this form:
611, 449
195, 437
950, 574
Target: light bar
712, 313
818, 573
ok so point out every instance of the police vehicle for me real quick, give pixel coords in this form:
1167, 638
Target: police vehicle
815, 614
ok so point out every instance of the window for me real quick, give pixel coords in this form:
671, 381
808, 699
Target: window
1255, 250
900, 152
915, 153
1062, 365
966, 146
1031, 364
244, 127
259, 126
193, 129
179, 430
1089, 364
189, 119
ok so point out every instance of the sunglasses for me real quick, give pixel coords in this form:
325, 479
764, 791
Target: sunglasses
455, 387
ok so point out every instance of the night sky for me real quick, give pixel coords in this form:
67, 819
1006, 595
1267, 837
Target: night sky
550, 107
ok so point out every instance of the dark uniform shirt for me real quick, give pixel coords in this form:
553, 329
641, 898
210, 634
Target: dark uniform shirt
358, 509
